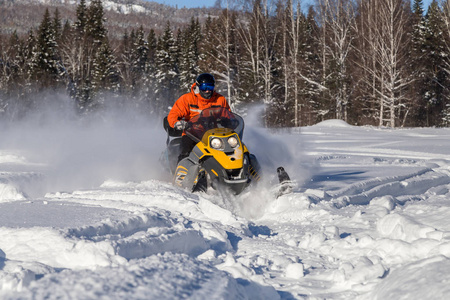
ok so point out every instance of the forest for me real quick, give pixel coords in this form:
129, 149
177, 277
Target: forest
367, 62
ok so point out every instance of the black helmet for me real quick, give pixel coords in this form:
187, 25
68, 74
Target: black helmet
205, 83
205, 78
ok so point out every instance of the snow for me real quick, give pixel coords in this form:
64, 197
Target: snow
124, 8
87, 213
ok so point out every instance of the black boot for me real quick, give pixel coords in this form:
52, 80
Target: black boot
282, 175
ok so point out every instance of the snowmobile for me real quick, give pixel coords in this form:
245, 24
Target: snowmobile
219, 159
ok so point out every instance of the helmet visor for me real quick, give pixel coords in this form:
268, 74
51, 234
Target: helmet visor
206, 87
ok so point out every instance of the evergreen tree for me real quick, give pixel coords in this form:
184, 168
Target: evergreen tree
188, 45
45, 60
105, 77
152, 42
80, 23
125, 63
66, 33
311, 92
436, 77
78, 54
140, 53
94, 69
139, 63
166, 75
207, 47
150, 87
57, 26
95, 27
445, 16
418, 67
30, 49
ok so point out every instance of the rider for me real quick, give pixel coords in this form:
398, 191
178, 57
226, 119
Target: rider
201, 96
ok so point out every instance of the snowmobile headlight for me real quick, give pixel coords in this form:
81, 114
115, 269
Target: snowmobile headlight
233, 142
216, 143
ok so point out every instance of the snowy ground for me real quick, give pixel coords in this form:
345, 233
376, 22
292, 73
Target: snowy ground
86, 213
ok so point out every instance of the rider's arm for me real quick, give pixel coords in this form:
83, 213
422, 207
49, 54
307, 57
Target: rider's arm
179, 111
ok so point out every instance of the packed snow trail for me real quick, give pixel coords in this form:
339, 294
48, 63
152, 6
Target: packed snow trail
367, 219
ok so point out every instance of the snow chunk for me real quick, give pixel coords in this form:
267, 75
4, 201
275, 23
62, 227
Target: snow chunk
362, 271
396, 226
387, 202
235, 268
295, 271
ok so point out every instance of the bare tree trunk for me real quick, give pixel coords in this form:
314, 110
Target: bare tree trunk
387, 42
338, 22
223, 57
295, 38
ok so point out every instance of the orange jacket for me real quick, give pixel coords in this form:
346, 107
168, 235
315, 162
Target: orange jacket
192, 104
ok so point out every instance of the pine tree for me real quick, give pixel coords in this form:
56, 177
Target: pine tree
418, 66
93, 70
311, 92
188, 45
150, 87
436, 78
95, 27
78, 53
152, 43
57, 26
207, 48
45, 59
80, 24
445, 16
139, 64
140, 53
30, 49
105, 77
125, 63
166, 75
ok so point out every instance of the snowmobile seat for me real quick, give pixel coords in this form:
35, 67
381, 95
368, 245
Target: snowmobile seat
174, 143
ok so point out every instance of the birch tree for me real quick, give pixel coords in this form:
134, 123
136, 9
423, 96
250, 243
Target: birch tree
385, 36
392, 49
268, 45
337, 18
220, 53
293, 64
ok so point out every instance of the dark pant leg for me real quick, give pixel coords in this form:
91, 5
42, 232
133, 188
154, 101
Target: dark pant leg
187, 144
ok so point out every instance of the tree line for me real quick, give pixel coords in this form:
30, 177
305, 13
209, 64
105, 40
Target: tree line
368, 62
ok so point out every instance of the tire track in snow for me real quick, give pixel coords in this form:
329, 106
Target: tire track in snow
416, 183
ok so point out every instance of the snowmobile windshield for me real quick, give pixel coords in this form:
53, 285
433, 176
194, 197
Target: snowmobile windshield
211, 118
